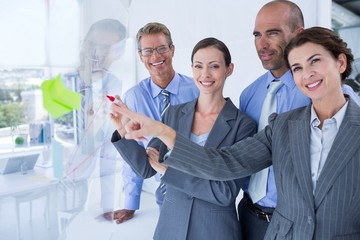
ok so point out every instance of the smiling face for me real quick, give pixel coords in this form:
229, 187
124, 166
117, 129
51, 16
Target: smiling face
210, 71
159, 65
316, 72
272, 33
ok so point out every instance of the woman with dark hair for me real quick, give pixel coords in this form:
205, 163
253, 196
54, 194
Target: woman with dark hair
314, 150
195, 208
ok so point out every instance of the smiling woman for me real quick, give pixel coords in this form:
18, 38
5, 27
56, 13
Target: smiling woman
312, 179
210, 120
42, 39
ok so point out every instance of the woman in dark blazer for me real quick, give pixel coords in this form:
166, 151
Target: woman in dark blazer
195, 208
314, 150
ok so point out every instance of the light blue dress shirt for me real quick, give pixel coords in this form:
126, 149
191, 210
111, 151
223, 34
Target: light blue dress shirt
199, 139
146, 98
321, 140
251, 100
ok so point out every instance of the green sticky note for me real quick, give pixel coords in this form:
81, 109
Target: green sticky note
57, 99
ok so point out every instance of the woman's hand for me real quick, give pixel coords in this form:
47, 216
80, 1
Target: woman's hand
153, 157
119, 120
141, 126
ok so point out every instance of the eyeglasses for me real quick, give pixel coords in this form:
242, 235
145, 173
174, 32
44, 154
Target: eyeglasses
148, 52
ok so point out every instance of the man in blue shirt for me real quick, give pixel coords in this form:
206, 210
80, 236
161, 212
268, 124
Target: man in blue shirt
156, 51
276, 24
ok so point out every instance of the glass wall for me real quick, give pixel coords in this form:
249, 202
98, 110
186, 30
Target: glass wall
58, 61
40, 39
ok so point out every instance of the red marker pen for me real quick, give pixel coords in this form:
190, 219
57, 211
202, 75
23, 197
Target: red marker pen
114, 100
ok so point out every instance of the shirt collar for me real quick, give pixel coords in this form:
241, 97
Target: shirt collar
173, 86
287, 79
338, 117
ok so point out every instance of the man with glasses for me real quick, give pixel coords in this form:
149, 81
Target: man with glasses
149, 97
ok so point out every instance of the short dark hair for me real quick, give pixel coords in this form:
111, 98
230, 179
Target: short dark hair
326, 38
213, 42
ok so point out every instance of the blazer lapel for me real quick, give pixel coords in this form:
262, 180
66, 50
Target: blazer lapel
346, 143
299, 140
221, 127
187, 118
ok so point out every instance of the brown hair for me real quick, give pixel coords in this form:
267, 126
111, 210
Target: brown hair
326, 38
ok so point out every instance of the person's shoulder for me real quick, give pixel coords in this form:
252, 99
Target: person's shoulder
185, 77
175, 112
239, 122
240, 115
187, 84
294, 113
256, 84
176, 108
350, 92
281, 121
231, 109
186, 80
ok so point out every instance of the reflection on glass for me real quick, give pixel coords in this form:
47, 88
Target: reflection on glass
85, 134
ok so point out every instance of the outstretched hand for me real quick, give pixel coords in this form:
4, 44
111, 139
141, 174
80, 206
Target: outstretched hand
137, 125
118, 119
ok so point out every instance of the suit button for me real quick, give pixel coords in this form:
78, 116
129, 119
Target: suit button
310, 220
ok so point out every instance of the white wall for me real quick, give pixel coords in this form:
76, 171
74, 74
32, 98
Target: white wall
231, 21
189, 21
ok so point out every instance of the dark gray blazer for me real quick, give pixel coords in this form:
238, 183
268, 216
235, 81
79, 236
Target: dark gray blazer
332, 212
194, 208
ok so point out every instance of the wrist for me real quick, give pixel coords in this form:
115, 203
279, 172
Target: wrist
121, 132
167, 135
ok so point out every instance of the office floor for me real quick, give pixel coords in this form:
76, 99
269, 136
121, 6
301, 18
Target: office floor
85, 225
88, 225
38, 225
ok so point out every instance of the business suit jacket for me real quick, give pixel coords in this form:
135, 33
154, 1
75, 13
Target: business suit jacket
332, 212
194, 208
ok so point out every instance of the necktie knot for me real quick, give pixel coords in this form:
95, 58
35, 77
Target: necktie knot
274, 86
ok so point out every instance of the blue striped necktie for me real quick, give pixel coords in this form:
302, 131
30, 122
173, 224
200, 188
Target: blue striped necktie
165, 101
165, 105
